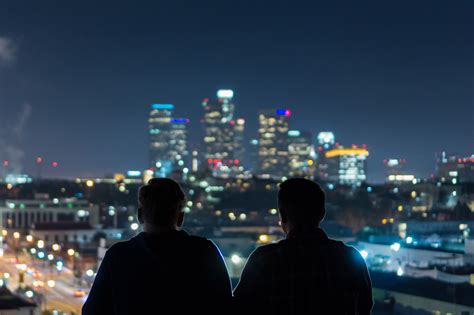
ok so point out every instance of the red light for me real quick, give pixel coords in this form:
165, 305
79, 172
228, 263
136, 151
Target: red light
39, 160
232, 122
54, 164
287, 113
216, 161
236, 161
205, 100
209, 161
6, 163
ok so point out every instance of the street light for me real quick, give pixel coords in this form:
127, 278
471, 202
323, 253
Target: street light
29, 238
71, 252
40, 244
56, 247
16, 235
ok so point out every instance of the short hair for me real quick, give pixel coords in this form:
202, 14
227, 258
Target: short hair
301, 202
161, 199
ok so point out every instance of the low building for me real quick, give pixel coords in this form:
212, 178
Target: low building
12, 304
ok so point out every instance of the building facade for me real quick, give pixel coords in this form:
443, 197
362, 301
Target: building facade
273, 143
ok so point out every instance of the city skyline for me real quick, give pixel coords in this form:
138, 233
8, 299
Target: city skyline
357, 76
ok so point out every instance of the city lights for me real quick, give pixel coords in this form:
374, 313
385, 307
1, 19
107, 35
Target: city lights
236, 259
71, 252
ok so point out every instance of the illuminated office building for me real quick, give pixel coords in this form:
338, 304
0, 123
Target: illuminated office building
454, 168
324, 141
223, 134
168, 139
346, 166
299, 153
395, 172
273, 143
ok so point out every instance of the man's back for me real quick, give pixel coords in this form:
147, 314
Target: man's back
307, 273
157, 274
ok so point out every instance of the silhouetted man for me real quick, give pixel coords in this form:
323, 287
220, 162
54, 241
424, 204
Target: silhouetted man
162, 270
307, 273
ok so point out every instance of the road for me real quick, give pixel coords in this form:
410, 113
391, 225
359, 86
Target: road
59, 297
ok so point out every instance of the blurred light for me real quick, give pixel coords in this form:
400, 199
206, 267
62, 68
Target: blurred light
409, 240
71, 252
16, 235
339, 152
364, 254
134, 226
40, 244
90, 272
134, 173
273, 211
51, 283
54, 164
50, 256
2, 283
29, 294
39, 160
225, 93
264, 238
9, 186
89, 183
162, 106
56, 247
41, 255
4, 233
395, 247
413, 194
242, 216
236, 259
400, 271
29, 238
6, 275
33, 251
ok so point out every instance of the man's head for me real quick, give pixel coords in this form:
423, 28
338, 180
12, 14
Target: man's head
161, 203
301, 204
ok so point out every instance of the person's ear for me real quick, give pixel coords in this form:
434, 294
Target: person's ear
180, 221
141, 215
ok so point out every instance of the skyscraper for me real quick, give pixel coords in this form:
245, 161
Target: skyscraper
168, 144
223, 135
299, 153
346, 166
324, 141
273, 142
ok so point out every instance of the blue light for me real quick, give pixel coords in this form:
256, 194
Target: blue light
281, 112
369, 189
180, 120
162, 106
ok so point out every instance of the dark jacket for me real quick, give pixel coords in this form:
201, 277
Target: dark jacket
307, 273
170, 273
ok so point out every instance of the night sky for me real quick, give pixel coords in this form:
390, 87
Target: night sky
77, 77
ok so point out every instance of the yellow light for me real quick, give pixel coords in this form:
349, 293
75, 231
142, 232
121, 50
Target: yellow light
56, 247
384, 221
16, 235
9, 186
391, 220
40, 244
413, 194
51, 283
263, 238
71, 252
29, 238
90, 183
400, 208
310, 162
339, 152
4, 233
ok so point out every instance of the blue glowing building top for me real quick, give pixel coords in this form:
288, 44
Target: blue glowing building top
162, 106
